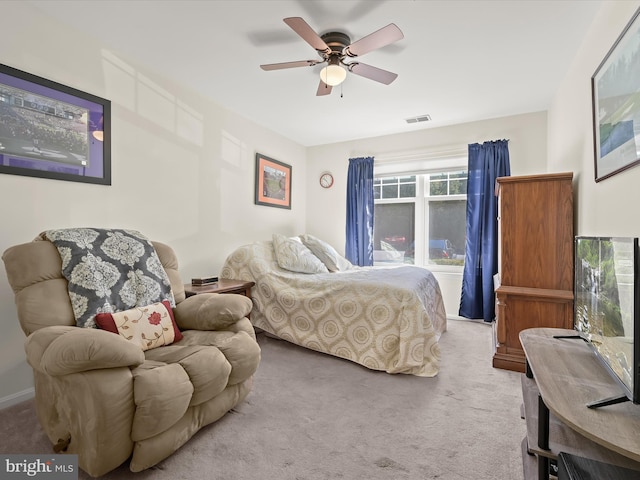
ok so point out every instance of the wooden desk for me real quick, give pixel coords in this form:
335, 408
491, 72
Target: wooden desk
568, 376
223, 285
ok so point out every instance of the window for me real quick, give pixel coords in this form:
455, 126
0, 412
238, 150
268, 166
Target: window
421, 219
394, 187
394, 219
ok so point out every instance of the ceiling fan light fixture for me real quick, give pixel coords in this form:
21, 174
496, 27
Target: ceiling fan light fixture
333, 74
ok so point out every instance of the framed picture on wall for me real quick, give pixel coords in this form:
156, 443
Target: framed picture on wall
273, 182
615, 90
50, 130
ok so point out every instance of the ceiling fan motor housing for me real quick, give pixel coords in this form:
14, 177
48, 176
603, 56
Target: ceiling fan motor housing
336, 41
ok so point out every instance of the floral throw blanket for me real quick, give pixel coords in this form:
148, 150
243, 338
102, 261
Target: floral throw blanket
109, 270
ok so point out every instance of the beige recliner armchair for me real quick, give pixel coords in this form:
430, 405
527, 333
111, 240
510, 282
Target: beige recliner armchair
105, 399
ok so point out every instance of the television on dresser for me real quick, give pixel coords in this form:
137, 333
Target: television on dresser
606, 308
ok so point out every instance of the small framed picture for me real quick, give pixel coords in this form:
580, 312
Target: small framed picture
273, 182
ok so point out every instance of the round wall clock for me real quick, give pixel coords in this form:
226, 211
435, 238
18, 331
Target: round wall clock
326, 180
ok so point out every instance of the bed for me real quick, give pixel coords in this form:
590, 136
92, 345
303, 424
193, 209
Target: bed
384, 318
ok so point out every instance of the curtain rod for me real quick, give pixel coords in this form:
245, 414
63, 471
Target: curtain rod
407, 156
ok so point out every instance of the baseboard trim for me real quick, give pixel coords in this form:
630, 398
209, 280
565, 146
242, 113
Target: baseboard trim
15, 398
465, 319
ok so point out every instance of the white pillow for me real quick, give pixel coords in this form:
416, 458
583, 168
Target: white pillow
292, 255
326, 253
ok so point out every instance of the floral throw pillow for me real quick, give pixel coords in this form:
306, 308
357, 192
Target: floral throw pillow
150, 327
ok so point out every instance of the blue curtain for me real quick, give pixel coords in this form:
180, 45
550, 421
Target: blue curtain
359, 247
487, 162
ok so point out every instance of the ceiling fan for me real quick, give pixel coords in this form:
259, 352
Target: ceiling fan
335, 49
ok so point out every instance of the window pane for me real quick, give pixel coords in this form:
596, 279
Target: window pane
387, 180
448, 183
407, 190
390, 191
376, 192
458, 187
447, 232
437, 188
394, 233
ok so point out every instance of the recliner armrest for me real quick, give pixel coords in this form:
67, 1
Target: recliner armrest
61, 350
211, 311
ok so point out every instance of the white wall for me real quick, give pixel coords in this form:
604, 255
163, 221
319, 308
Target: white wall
183, 169
606, 207
326, 214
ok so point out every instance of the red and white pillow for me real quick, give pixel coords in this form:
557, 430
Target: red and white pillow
150, 327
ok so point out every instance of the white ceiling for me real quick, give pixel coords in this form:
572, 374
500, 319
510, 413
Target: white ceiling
459, 61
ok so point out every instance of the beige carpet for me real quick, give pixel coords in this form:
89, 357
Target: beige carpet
312, 416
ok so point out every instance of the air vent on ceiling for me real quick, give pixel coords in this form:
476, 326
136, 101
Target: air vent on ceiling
421, 118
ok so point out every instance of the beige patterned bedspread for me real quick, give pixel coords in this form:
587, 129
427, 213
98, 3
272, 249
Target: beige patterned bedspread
385, 318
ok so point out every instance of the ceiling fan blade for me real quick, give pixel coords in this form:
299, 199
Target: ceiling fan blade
323, 89
378, 39
373, 73
307, 33
280, 66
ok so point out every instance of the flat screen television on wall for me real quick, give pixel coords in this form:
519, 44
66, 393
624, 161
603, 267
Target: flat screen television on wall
606, 308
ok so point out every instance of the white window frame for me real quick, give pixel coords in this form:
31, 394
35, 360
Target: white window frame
425, 202
421, 202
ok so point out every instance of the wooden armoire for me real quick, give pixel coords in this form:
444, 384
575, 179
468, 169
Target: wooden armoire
535, 286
